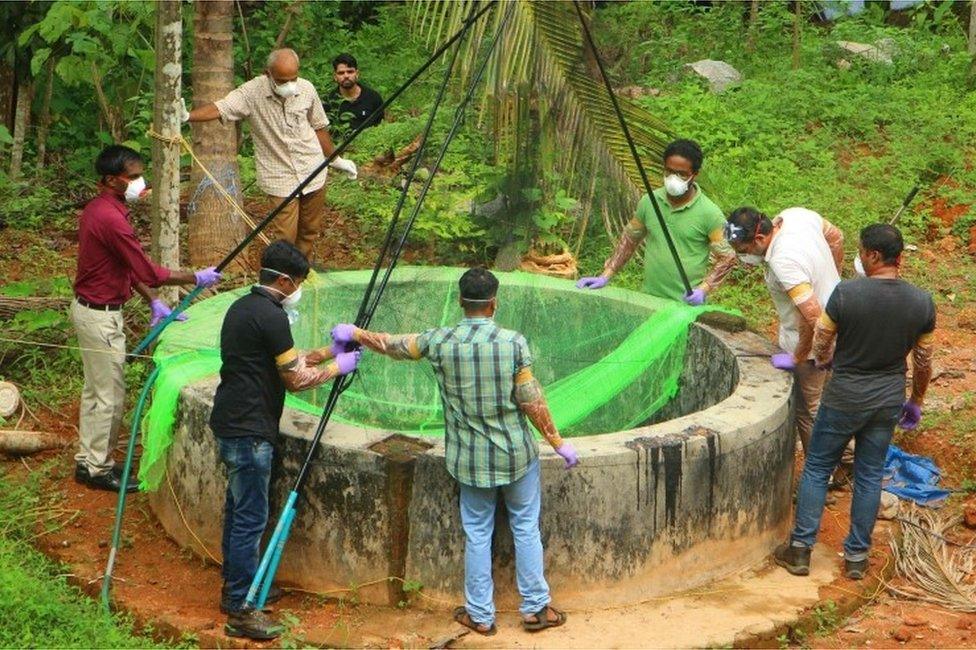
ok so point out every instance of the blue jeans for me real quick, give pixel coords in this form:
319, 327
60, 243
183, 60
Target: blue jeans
872, 430
523, 500
248, 462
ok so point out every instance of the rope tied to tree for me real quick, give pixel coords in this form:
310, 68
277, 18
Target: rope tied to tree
181, 141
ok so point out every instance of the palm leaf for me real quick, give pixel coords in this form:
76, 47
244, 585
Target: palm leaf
542, 58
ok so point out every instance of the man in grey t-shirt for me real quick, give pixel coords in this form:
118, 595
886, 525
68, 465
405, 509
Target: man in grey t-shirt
876, 321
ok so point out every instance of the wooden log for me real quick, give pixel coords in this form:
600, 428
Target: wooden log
10, 307
14, 442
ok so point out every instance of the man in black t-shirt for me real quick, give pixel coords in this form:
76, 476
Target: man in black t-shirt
875, 321
352, 102
259, 363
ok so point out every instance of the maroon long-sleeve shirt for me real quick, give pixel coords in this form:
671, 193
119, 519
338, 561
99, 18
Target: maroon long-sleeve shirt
110, 257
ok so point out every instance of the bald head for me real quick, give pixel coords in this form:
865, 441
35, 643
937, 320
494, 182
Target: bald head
283, 65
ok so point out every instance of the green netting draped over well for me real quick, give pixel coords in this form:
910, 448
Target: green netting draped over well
608, 359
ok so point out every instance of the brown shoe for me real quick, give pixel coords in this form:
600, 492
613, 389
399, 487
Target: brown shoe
252, 624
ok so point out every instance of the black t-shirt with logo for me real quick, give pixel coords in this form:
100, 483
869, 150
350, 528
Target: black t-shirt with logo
878, 323
346, 116
251, 395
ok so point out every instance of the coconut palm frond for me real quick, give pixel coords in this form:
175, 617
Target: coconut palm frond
542, 59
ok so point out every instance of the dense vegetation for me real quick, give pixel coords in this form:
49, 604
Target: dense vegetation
847, 138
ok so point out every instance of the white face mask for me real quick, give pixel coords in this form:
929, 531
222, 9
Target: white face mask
674, 185
859, 267
751, 259
134, 189
289, 301
287, 89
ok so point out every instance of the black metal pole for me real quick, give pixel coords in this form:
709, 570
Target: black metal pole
633, 148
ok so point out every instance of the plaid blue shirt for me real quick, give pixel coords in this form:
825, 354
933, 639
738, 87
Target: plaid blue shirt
488, 441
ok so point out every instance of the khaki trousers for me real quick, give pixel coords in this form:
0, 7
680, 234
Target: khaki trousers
300, 222
808, 388
102, 339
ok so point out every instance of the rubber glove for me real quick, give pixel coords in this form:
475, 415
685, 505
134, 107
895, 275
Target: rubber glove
161, 310
344, 333
345, 165
783, 361
569, 454
911, 415
591, 282
184, 114
207, 277
338, 348
347, 361
696, 297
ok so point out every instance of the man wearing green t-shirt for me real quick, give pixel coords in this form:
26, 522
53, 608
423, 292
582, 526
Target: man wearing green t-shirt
695, 224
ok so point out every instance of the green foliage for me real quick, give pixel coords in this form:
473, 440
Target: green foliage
37, 605
826, 617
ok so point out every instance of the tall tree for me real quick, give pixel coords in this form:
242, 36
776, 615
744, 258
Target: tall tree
166, 150
214, 229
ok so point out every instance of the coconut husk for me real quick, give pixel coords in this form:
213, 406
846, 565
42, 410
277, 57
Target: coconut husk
561, 265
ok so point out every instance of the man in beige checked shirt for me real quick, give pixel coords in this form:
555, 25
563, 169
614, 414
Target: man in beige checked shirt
291, 139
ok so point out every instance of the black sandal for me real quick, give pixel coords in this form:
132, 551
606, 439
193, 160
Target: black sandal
542, 621
461, 617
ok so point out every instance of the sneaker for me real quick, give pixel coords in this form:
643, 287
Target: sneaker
855, 569
252, 624
794, 559
274, 595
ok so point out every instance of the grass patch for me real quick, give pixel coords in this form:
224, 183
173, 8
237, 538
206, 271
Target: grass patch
38, 608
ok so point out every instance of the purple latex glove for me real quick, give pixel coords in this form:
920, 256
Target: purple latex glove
347, 361
911, 415
696, 297
161, 310
338, 348
597, 282
207, 277
569, 454
783, 361
344, 333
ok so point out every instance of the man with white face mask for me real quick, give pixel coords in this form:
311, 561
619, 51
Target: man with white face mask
291, 139
111, 264
803, 253
695, 224
259, 362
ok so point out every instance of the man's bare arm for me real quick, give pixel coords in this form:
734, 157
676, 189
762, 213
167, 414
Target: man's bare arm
297, 375
723, 261
395, 346
835, 240
809, 307
147, 294
325, 141
824, 336
205, 113
532, 401
921, 367
633, 234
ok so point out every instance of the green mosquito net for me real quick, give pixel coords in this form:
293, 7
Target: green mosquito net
608, 359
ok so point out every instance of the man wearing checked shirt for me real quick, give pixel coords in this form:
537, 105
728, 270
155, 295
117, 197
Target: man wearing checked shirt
488, 393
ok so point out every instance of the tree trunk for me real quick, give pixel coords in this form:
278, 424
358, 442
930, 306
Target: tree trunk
214, 228
110, 113
21, 122
751, 29
44, 122
166, 155
972, 37
797, 15
293, 10
8, 95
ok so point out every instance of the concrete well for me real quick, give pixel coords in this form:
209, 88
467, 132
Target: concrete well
698, 492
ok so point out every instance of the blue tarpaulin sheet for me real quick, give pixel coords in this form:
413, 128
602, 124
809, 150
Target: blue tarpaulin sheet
912, 477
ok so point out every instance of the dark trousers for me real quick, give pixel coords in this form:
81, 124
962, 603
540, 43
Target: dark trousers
872, 430
248, 462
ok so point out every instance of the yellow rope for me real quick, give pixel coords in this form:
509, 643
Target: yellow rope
180, 140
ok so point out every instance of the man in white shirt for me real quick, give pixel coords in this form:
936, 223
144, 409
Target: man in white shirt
803, 254
291, 139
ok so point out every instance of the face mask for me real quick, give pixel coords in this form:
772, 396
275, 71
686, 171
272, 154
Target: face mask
859, 267
674, 185
134, 189
291, 300
287, 89
288, 301
751, 259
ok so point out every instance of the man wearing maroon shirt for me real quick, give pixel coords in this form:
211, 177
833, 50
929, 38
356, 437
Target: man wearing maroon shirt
111, 264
